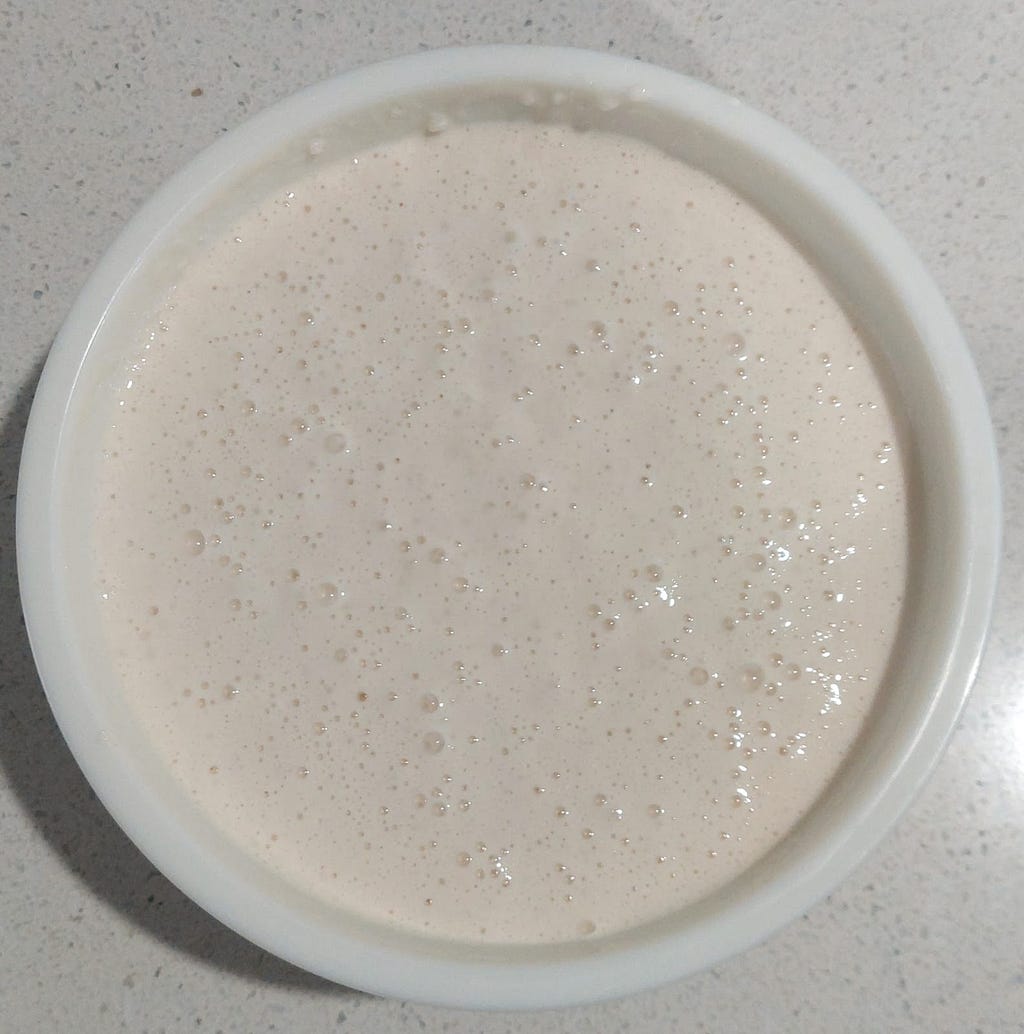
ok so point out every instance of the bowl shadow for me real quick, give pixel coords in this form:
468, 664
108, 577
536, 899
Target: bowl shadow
52, 790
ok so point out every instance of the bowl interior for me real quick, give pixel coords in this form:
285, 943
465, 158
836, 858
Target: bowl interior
913, 339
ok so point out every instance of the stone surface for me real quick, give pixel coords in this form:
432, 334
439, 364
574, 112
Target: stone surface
919, 101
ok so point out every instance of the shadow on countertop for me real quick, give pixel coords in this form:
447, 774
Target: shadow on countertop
52, 790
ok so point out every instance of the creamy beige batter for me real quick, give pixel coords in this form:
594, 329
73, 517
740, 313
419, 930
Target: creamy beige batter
503, 533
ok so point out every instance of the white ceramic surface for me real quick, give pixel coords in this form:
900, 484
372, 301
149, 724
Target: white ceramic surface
956, 521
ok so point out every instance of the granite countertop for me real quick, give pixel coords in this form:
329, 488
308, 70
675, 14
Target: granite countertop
921, 100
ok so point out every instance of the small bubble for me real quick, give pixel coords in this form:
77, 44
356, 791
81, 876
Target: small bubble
736, 345
499, 651
430, 703
329, 591
341, 654
434, 742
753, 674
464, 858
699, 676
655, 810
196, 542
587, 927
436, 123
588, 834
336, 443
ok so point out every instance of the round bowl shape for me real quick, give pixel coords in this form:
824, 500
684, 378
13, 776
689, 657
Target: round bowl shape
915, 340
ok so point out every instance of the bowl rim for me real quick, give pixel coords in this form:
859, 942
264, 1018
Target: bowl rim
382, 968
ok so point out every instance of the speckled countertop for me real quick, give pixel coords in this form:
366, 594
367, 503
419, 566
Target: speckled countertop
921, 101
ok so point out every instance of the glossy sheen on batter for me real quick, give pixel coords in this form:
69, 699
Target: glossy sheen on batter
502, 533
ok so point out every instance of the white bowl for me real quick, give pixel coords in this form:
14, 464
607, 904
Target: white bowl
955, 520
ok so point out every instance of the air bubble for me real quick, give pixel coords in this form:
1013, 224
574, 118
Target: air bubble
753, 674
736, 344
436, 123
